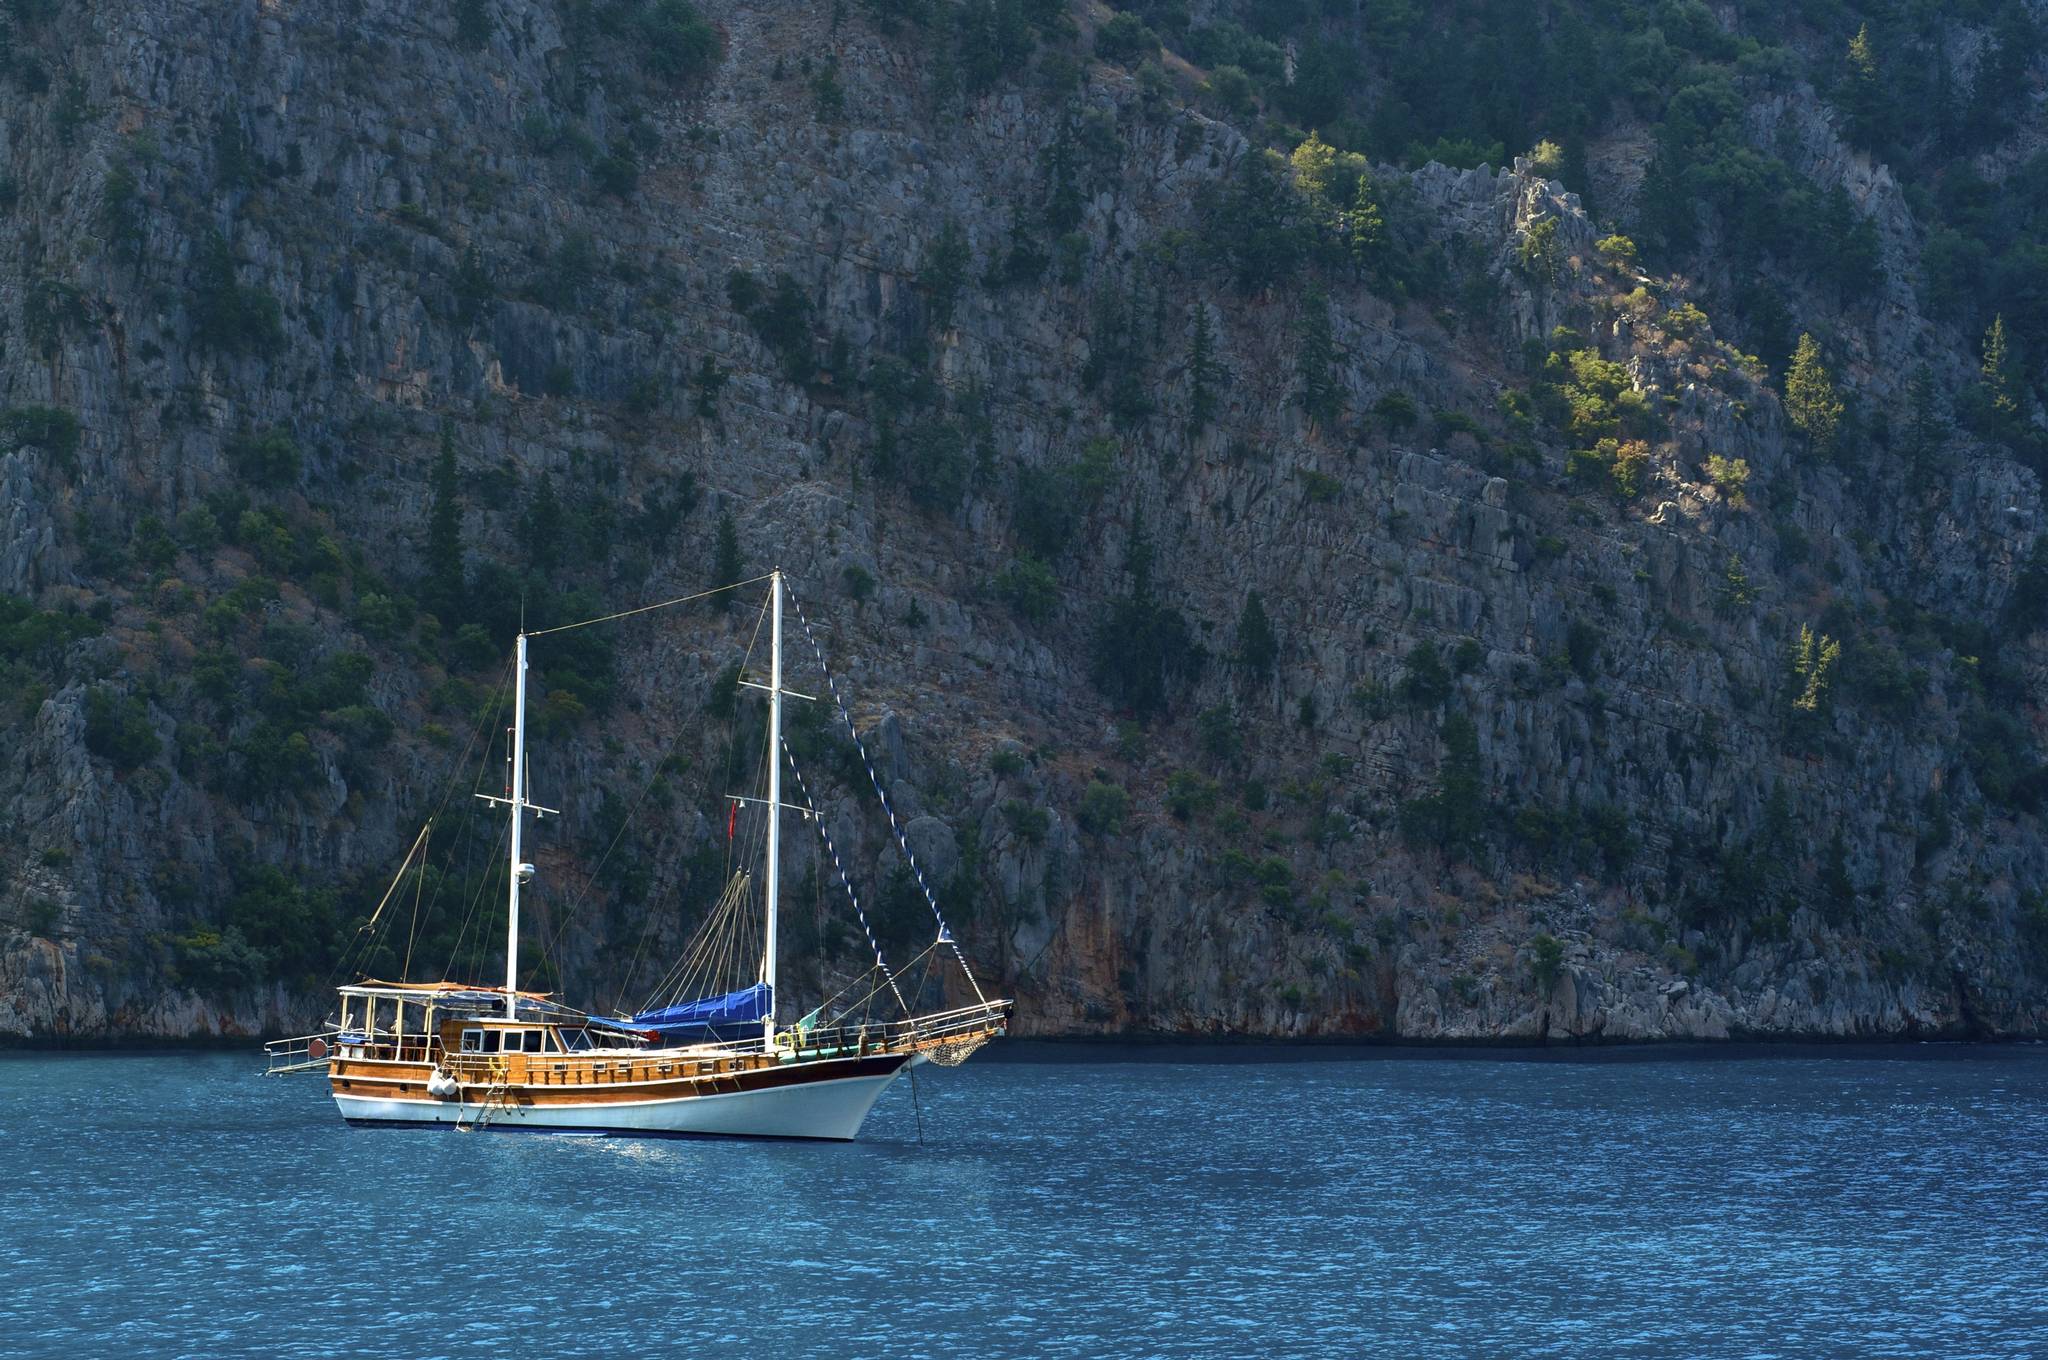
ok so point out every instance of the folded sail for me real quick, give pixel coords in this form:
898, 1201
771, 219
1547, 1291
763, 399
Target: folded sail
731, 1016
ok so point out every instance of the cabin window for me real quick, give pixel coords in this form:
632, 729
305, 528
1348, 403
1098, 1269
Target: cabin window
490, 1041
472, 1041
533, 1041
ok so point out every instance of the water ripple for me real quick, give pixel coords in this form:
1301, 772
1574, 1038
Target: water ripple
1758, 1206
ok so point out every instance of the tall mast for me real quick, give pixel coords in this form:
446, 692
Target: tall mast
516, 798
774, 799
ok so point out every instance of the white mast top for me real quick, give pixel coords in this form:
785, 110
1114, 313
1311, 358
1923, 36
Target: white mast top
774, 800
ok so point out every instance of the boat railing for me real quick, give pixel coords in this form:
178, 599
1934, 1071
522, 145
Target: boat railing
305, 1053
916, 1031
311, 1052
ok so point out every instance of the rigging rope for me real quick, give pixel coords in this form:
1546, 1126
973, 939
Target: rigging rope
419, 890
818, 819
370, 945
624, 985
903, 842
645, 608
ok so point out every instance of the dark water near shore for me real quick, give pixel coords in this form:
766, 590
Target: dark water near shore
1765, 1204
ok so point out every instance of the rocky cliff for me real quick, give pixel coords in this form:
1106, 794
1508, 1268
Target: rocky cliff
1444, 634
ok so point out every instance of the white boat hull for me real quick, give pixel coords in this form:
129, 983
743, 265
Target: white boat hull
832, 1109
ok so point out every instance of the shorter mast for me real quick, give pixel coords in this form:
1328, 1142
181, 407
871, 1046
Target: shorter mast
774, 801
516, 797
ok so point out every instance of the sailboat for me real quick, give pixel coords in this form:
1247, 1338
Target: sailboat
464, 1056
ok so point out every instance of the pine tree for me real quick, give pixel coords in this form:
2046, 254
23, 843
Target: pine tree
1365, 226
1201, 373
1142, 648
472, 25
708, 380
543, 527
1313, 162
727, 566
1811, 401
1837, 884
1813, 664
1862, 96
443, 591
1063, 202
1257, 647
945, 270
1997, 382
1257, 224
1925, 431
1315, 359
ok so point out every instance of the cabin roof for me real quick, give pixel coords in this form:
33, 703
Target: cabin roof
431, 991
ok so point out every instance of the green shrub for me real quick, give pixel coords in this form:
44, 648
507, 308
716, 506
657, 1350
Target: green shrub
945, 270
1216, 729
1257, 645
1142, 648
1372, 699
214, 962
1730, 477
783, 321
1029, 587
859, 582
1189, 794
617, 174
1813, 662
1546, 962
1538, 254
226, 315
1452, 817
1685, 321
1026, 822
675, 43
1051, 501
267, 459
1276, 881
828, 95
2000, 753
1124, 39
1617, 250
1582, 642
40, 917
1232, 87
474, 287
1257, 226
1396, 411
1320, 487
49, 428
1103, 808
117, 729
28, 634
1426, 682
936, 465
473, 25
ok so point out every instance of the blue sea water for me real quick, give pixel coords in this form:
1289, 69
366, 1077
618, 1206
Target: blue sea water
1063, 1203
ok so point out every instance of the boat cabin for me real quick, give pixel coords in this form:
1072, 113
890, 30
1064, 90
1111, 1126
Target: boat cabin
417, 1022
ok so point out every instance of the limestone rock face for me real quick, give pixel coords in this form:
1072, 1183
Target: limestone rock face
453, 251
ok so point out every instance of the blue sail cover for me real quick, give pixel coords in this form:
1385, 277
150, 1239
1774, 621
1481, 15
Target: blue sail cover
731, 1016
